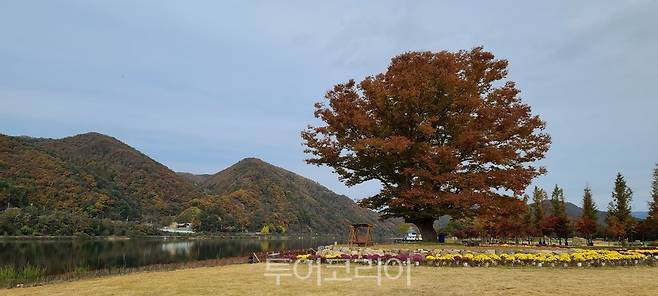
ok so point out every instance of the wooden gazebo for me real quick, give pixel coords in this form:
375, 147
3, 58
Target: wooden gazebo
356, 238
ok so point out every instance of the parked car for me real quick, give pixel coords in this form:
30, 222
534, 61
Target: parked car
413, 236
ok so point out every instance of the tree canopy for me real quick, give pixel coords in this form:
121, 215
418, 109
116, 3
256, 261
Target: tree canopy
441, 131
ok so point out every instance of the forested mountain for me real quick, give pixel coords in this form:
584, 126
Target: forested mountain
95, 184
92, 174
125, 172
89, 183
258, 193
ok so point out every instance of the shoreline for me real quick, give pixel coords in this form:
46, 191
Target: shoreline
165, 237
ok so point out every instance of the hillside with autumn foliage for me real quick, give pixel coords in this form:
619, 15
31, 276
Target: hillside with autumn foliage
94, 184
253, 192
68, 185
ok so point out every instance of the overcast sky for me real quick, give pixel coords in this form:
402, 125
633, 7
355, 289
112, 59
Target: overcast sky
198, 85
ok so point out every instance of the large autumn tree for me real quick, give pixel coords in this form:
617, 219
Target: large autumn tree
443, 132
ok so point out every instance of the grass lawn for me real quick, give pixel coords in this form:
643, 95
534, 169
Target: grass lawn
244, 279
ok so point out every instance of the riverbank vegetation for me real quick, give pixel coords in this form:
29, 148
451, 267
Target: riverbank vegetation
36, 221
31, 275
11, 277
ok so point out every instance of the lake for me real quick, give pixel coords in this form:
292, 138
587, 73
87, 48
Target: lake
64, 255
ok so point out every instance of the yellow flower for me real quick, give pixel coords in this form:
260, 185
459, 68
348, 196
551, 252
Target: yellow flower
332, 256
578, 257
481, 258
507, 257
494, 257
447, 257
564, 258
646, 252
522, 256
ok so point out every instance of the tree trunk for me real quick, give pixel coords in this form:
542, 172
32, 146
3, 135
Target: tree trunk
426, 228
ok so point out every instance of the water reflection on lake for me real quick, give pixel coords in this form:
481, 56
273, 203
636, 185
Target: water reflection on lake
178, 248
64, 255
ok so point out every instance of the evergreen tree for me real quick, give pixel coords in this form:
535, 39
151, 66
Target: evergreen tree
619, 210
557, 202
649, 227
538, 197
527, 218
589, 207
561, 227
653, 204
588, 220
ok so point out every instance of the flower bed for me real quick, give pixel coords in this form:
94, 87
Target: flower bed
563, 258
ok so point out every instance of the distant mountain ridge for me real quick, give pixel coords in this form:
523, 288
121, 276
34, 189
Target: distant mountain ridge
97, 177
194, 179
640, 214
575, 211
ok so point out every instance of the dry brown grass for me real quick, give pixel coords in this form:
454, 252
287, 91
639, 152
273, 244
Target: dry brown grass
243, 279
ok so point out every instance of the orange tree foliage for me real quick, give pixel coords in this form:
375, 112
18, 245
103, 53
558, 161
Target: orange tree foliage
504, 219
442, 132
